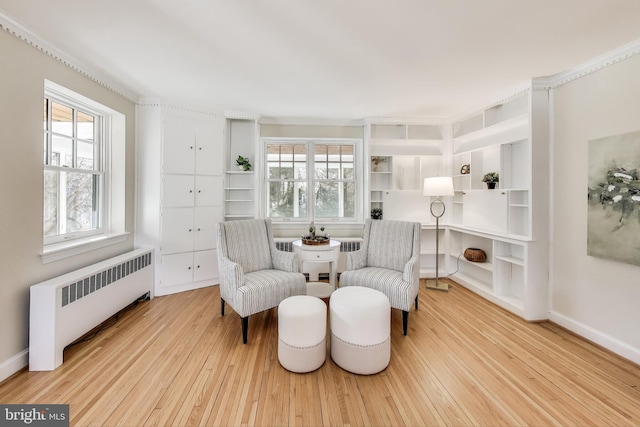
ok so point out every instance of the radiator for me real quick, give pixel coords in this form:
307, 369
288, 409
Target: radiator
64, 308
314, 269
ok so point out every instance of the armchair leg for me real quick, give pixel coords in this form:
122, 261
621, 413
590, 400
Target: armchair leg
416, 303
245, 327
405, 322
221, 307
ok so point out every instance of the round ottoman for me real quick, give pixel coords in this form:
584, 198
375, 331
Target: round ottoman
360, 321
302, 333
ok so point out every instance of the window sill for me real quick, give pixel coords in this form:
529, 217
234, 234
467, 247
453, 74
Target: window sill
58, 251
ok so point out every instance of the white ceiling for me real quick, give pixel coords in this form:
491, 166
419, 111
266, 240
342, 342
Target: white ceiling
343, 59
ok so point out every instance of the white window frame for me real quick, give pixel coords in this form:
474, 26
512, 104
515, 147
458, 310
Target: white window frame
113, 164
310, 181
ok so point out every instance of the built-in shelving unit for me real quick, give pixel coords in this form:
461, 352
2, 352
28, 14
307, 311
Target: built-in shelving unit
239, 184
508, 223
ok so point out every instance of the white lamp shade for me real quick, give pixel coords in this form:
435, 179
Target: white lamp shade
438, 186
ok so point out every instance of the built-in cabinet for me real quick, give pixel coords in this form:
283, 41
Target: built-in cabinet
180, 194
401, 155
509, 223
240, 184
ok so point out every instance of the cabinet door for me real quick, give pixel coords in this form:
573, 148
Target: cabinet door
205, 220
179, 145
177, 230
176, 270
209, 146
485, 210
205, 265
208, 190
178, 190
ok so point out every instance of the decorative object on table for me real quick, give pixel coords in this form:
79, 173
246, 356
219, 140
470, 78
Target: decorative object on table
491, 178
313, 239
465, 169
475, 255
376, 162
376, 213
613, 208
243, 163
437, 186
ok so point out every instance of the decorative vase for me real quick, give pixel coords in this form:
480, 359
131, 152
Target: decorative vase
475, 255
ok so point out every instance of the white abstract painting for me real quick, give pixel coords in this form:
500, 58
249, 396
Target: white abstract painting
613, 218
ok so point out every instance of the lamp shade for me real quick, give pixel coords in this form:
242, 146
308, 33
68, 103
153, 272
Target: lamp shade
438, 186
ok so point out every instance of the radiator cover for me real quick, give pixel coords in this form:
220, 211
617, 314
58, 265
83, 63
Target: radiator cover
66, 307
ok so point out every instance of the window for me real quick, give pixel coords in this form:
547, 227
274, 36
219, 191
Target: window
73, 171
84, 174
311, 180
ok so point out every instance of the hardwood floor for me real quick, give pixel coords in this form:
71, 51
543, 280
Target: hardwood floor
174, 361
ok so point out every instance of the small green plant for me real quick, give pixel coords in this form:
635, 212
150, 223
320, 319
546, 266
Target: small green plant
244, 163
491, 177
376, 213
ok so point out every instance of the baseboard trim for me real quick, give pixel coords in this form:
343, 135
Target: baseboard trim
597, 337
14, 364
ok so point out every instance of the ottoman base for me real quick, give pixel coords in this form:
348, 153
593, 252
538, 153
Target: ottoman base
363, 360
302, 359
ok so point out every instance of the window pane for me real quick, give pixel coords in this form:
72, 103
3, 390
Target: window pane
51, 185
287, 199
335, 200
81, 201
61, 151
86, 154
85, 126
62, 118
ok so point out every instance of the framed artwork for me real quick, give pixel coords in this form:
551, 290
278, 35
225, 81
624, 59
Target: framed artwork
613, 217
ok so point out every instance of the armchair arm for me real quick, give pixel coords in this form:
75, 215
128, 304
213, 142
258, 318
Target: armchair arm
285, 261
231, 276
356, 259
411, 273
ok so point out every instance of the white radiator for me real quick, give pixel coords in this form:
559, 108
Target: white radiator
64, 308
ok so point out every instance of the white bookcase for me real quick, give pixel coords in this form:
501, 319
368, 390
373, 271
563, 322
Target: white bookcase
508, 223
402, 154
240, 185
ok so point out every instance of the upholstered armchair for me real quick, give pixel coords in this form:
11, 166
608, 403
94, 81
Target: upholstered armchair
254, 275
388, 261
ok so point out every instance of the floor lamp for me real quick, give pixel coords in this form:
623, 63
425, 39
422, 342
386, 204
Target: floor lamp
437, 186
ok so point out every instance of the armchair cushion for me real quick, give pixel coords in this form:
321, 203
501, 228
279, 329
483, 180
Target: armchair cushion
390, 244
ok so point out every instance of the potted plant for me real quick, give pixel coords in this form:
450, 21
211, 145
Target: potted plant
376, 213
376, 161
243, 163
491, 178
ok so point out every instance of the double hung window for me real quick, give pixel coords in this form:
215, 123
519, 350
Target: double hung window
73, 173
311, 180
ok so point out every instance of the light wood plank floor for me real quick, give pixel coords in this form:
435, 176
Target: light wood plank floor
174, 361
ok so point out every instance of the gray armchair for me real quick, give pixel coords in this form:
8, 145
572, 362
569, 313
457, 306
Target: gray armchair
254, 275
388, 261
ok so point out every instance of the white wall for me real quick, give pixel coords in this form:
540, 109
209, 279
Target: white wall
23, 70
597, 298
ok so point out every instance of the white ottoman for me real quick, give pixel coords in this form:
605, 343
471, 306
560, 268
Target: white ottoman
360, 321
302, 333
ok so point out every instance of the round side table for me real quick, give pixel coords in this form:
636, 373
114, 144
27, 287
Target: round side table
320, 253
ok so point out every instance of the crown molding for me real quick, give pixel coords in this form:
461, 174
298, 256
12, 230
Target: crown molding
306, 121
158, 103
596, 64
20, 32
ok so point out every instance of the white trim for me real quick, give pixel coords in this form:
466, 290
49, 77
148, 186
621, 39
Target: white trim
610, 343
58, 251
596, 64
14, 364
14, 28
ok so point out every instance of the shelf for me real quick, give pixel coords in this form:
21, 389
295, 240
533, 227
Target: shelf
511, 260
240, 172
239, 200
